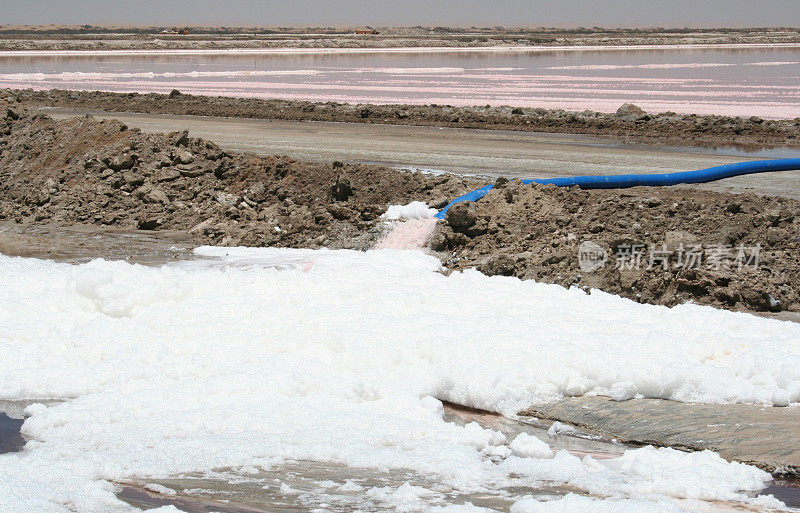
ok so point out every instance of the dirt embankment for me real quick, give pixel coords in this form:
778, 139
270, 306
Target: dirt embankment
84, 171
628, 123
663, 246
88, 172
50, 38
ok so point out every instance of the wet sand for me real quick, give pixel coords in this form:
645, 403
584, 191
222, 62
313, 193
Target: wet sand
81, 243
488, 153
767, 437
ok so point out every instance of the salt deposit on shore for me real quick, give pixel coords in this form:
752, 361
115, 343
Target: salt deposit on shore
252, 357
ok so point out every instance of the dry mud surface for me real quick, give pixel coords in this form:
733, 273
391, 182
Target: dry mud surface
629, 123
100, 173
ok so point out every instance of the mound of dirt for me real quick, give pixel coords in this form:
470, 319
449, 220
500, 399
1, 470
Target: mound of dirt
84, 171
629, 122
663, 246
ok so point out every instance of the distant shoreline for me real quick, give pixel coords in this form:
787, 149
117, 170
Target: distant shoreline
398, 50
379, 38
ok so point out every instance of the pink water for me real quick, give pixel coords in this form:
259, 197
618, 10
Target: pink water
408, 234
744, 81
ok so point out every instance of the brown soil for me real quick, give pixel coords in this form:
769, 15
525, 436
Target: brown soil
534, 232
629, 123
88, 172
84, 171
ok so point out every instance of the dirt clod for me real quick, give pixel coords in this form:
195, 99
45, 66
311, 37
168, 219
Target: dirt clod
664, 246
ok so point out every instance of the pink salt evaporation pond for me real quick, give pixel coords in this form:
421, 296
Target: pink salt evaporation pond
746, 81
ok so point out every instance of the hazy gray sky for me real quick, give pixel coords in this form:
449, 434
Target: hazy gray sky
729, 13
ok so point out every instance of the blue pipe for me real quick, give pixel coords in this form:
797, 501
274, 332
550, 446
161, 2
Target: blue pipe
649, 180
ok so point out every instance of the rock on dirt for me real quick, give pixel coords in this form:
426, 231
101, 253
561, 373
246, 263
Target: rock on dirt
629, 110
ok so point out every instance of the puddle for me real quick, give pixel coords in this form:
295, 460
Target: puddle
786, 491
10, 437
304, 486
12, 416
308, 486
312, 486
